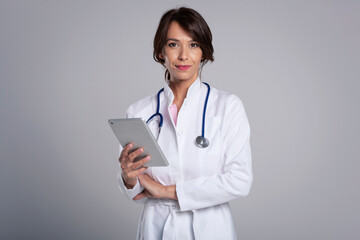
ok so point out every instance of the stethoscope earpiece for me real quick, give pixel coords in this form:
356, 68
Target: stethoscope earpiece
200, 141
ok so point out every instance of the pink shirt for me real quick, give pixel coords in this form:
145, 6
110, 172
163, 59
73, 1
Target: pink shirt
173, 112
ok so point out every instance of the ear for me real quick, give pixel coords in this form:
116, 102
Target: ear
161, 56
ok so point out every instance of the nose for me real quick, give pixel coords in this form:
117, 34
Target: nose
183, 54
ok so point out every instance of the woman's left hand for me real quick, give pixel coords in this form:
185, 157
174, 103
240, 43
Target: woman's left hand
154, 189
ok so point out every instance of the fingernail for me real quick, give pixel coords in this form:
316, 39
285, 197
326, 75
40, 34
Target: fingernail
148, 158
130, 145
141, 150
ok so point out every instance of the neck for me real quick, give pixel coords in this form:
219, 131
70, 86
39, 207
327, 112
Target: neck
179, 89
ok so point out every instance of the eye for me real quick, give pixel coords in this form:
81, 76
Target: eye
194, 45
172, 44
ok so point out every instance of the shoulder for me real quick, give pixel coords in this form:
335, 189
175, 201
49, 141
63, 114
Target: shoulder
138, 107
229, 107
226, 99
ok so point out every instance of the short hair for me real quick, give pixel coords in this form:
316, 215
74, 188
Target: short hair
194, 24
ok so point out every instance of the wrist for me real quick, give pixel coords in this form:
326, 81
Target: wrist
171, 192
129, 185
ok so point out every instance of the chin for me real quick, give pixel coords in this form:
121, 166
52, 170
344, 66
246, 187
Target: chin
184, 78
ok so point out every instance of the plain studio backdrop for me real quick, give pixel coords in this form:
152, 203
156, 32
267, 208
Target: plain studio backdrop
66, 67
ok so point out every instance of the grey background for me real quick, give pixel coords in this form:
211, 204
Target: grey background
68, 66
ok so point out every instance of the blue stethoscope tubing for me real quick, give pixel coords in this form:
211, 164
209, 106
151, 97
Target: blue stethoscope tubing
200, 141
158, 111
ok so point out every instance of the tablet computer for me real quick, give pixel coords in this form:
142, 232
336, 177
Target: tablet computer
136, 131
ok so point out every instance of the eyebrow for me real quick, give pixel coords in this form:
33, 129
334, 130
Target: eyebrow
176, 40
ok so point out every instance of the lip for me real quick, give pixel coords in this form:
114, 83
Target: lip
183, 67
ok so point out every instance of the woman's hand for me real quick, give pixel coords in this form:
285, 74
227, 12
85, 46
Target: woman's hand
131, 170
154, 189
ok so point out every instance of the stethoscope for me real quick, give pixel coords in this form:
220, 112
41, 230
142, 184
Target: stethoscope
200, 141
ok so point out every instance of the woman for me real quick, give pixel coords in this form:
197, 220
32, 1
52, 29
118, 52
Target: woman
189, 198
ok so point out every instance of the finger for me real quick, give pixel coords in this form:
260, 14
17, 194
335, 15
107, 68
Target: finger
140, 196
145, 180
135, 153
140, 163
125, 152
135, 173
127, 148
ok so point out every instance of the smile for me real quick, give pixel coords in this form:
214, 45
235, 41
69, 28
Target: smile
183, 67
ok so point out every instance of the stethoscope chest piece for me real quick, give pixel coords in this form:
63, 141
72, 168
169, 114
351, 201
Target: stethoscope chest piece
202, 142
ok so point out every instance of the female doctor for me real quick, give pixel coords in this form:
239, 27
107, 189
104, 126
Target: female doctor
204, 136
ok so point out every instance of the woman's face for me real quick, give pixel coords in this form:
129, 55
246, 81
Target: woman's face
182, 54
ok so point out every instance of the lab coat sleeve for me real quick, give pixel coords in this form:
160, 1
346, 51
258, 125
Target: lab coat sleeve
138, 188
236, 177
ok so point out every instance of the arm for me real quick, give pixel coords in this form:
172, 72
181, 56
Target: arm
200, 192
128, 171
236, 178
209, 191
154, 189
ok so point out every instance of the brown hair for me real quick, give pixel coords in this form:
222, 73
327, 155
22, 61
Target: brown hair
194, 24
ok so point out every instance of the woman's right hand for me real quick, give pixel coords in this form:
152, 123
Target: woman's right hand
131, 170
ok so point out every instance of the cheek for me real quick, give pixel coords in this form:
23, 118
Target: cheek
197, 56
167, 62
168, 59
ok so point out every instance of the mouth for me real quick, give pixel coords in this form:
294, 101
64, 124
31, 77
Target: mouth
183, 67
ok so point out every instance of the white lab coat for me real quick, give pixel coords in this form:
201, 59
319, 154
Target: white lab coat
206, 179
